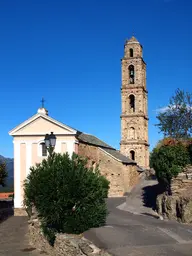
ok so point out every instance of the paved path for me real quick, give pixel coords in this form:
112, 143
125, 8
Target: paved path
13, 238
142, 198
127, 234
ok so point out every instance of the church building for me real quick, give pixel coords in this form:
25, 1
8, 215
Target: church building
121, 168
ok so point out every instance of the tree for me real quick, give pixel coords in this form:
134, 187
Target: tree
175, 120
168, 161
68, 196
3, 174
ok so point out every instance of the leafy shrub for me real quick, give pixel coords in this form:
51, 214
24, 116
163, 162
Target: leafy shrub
189, 148
3, 174
7, 189
69, 196
168, 161
105, 184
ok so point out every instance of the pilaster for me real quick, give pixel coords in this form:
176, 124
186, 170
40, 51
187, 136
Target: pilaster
17, 176
28, 157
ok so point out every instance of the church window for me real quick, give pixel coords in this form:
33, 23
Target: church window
132, 103
132, 133
131, 52
131, 74
43, 149
132, 154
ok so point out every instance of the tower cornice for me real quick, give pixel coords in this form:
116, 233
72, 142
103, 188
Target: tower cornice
123, 88
131, 142
134, 58
134, 115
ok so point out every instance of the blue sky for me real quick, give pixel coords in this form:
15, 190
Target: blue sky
69, 53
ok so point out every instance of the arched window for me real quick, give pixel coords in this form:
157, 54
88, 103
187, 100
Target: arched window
132, 154
132, 103
131, 52
132, 133
43, 149
131, 74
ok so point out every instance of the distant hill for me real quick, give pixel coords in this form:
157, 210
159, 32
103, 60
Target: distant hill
9, 163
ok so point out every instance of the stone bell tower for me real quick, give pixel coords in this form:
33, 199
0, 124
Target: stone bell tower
134, 117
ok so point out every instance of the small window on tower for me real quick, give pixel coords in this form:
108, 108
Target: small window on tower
132, 103
131, 52
132, 154
131, 74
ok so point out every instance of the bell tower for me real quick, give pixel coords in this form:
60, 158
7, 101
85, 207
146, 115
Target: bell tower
134, 116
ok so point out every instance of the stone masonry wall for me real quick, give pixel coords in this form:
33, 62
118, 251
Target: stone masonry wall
122, 177
64, 245
20, 212
139, 72
178, 205
141, 153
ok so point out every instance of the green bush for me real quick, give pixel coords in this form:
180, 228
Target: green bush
168, 161
105, 184
190, 152
69, 196
3, 173
11, 196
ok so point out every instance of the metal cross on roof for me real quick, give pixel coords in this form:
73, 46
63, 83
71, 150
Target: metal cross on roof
43, 102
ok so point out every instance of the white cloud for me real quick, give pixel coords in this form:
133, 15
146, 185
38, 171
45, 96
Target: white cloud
164, 109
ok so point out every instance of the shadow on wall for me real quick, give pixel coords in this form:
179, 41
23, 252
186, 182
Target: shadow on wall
150, 194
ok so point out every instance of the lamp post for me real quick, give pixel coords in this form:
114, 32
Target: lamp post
50, 141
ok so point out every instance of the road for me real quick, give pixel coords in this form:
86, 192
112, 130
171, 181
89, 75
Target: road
127, 234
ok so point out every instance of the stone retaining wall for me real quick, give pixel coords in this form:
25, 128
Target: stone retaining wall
178, 205
181, 186
175, 207
65, 244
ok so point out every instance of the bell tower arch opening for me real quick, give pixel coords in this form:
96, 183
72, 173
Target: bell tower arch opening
131, 74
131, 103
132, 155
131, 52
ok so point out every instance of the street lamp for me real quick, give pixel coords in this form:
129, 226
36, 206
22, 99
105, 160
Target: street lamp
50, 141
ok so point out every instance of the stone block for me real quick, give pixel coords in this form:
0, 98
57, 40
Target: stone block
20, 212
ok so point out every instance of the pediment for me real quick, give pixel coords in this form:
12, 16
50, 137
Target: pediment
40, 125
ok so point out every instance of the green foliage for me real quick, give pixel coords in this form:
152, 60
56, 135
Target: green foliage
190, 152
7, 189
69, 196
105, 184
49, 233
176, 120
168, 161
11, 196
3, 174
